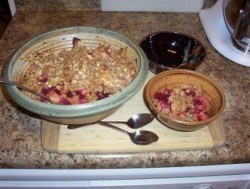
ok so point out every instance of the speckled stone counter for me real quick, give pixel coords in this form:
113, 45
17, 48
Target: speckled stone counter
20, 141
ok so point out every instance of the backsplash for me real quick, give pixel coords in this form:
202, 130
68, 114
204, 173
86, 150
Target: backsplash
26, 5
208, 3
22, 5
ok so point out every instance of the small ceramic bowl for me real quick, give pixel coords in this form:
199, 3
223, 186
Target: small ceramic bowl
167, 50
62, 39
180, 76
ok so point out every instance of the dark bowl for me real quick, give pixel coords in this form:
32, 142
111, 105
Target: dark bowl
167, 50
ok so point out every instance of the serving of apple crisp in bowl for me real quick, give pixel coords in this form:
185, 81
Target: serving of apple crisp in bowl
184, 100
87, 72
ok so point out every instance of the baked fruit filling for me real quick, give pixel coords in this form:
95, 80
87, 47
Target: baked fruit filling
78, 75
183, 102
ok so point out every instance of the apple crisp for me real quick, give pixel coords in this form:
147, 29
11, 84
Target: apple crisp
79, 75
183, 102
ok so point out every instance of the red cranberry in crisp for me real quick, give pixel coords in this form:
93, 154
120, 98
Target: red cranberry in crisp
45, 90
197, 102
190, 93
101, 95
64, 101
81, 97
69, 94
188, 109
81, 92
161, 97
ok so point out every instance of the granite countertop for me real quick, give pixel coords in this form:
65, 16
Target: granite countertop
20, 140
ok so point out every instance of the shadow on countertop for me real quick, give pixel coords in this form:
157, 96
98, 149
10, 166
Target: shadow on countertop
5, 16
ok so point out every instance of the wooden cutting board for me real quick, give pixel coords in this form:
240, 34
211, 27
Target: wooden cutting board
100, 139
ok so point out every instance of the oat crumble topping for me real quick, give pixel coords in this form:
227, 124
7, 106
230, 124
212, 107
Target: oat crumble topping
79, 75
183, 102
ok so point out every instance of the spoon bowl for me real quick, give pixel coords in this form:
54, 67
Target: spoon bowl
141, 137
136, 121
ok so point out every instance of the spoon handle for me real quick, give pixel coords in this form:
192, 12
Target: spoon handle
113, 127
8, 82
116, 122
100, 122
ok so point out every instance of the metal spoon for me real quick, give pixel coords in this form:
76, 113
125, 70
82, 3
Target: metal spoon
141, 137
6, 81
136, 121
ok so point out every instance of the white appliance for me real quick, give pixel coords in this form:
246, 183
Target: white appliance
233, 176
216, 30
152, 5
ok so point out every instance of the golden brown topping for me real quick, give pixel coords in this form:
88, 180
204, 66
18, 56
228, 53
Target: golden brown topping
103, 70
